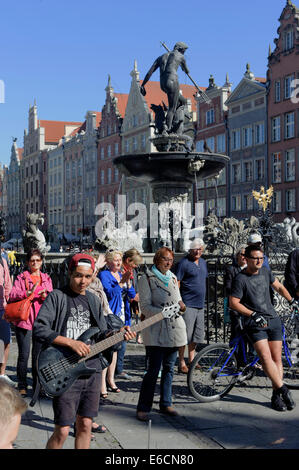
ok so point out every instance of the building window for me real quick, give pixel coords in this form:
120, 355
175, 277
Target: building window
247, 136
143, 141
290, 165
277, 201
221, 143
79, 168
236, 202
221, 206
115, 174
248, 171
102, 153
102, 178
210, 206
109, 151
199, 146
276, 129
210, 116
248, 202
288, 86
109, 175
235, 139
289, 125
236, 173
288, 40
73, 169
259, 133
276, 159
259, 169
277, 91
135, 144
116, 149
211, 143
127, 145
290, 200
222, 177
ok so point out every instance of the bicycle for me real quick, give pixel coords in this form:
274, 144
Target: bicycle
217, 368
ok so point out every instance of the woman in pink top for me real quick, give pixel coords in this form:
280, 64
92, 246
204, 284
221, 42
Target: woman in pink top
25, 283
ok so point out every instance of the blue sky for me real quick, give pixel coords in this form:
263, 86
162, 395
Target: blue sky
60, 52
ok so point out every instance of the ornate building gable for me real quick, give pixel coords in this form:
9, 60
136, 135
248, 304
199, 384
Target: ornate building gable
248, 86
137, 112
112, 112
288, 33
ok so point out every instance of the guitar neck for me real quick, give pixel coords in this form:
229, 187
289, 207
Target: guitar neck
114, 339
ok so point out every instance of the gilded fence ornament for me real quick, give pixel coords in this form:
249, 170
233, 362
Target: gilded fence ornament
263, 198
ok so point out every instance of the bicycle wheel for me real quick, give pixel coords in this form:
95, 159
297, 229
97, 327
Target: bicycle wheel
290, 362
290, 350
211, 373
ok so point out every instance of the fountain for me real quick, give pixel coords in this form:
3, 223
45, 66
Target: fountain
172, 170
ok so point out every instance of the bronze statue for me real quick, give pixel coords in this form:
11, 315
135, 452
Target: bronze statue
169, 64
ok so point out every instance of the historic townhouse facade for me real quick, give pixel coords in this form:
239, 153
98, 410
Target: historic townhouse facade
247, 130
74, 183
109, 146
13, 192
55, 185
283, 115
41, 136
90, 162
212, 134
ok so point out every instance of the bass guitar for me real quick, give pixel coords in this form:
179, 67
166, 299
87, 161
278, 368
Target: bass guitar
58, 366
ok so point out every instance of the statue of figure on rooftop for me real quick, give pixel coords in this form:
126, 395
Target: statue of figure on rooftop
169, 64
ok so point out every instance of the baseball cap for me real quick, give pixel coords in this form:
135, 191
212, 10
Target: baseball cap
197, 243
82, 259
254, 238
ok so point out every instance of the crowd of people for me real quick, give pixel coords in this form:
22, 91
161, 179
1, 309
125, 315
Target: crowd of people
103, 295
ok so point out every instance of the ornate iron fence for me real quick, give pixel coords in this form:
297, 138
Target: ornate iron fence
216, 321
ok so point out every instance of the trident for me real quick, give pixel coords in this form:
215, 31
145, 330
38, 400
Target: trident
203, 94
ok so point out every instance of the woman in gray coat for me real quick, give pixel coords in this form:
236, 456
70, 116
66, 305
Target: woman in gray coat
158, 288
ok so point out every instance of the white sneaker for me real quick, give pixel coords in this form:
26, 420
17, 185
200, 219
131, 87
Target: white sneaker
8, 380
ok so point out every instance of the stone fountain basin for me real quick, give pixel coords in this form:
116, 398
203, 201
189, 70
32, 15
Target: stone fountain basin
170, 166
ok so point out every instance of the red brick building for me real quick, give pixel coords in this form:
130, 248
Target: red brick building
109, 145
211, 131
283, 115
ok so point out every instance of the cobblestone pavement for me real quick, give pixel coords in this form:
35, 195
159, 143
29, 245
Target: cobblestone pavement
242, 420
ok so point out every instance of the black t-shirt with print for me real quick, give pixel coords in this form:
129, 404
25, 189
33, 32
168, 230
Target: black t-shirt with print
254, 292
79, 319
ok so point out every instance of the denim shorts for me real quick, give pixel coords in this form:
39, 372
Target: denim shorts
82, 399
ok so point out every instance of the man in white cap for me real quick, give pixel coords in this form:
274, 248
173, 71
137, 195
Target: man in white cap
192, 273
255, 238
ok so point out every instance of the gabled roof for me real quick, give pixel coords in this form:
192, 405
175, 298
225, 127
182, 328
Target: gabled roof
20, 153
245, 88
122, 100
154, 94
55, 130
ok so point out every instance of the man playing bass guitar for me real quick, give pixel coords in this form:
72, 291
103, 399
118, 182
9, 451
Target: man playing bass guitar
64, 316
